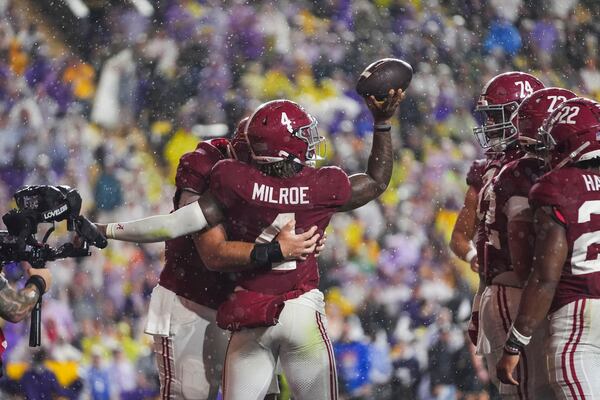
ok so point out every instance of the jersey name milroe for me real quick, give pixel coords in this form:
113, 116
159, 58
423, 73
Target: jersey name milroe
574, 196
486, 206
184, 272
257, 206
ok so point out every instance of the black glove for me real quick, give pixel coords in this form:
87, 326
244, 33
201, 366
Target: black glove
89, 232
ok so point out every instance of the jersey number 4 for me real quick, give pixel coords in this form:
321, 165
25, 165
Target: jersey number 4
270, 232
580, 264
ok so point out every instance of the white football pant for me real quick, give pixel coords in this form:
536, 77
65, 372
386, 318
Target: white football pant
499, 306
189, 347
300, 341
574, 350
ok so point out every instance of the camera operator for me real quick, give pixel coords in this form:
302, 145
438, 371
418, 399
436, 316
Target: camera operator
15, 304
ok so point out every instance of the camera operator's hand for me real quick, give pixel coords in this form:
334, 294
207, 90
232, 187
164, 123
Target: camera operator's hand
43, 273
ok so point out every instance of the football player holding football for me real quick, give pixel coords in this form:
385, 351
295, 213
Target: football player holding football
564, 286
500, 286
253, 202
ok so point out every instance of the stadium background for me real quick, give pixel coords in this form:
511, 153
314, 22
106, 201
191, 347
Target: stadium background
107, 104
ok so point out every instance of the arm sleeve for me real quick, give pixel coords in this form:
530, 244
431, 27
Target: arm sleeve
159, 228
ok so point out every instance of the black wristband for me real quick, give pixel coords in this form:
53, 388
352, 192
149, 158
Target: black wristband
382, 127
38, 282
513, 346
264, 254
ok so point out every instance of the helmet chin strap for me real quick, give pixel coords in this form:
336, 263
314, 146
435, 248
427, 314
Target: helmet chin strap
573, 154
287, 156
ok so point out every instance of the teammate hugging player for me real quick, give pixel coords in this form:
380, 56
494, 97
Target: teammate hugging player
564, 285
189, 346
500, 285
276, 309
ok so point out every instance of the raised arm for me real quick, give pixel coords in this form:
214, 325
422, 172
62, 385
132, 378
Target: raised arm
461, 242
373, 182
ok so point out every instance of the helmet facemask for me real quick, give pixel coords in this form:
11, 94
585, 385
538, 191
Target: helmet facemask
549, 144
497, 130
534, 146
317, 146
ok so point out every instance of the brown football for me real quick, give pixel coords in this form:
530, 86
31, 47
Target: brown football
381, 76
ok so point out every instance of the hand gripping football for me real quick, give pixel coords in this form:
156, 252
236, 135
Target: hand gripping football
381, 76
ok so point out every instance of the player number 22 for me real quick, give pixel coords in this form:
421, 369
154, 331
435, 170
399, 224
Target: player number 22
579, 260
567, 115
269, 233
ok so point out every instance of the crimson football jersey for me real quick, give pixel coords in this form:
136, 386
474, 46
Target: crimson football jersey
486, 210
257, 206
514, 179
574, 194
184, 273
475, 174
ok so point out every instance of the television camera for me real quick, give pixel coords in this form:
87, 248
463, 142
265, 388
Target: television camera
45, 204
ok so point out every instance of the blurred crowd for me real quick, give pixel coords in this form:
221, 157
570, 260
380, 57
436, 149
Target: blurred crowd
113, 117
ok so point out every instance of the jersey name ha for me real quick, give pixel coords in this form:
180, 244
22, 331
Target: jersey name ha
592, 182
285, 195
